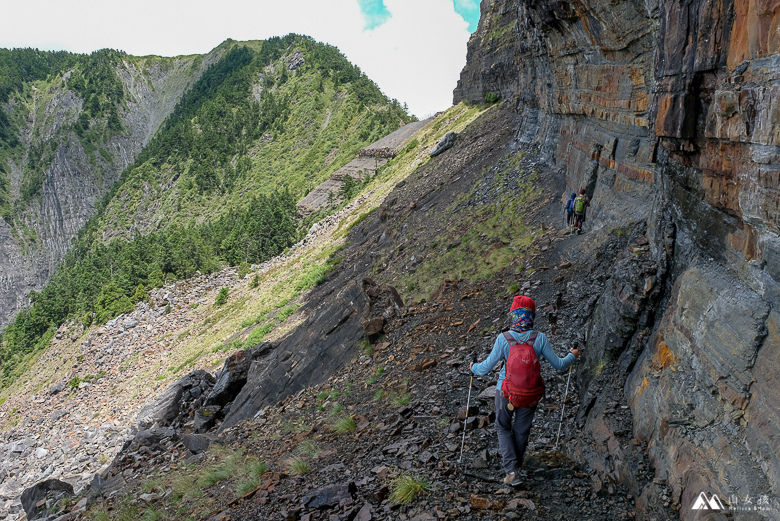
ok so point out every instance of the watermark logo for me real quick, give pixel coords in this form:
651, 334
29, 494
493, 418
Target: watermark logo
749, 503
708, 503
735, 503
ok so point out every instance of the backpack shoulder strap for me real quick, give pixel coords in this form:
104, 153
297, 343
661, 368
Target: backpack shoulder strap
511, 339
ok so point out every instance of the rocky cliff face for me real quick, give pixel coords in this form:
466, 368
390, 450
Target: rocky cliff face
77, 178
667, 114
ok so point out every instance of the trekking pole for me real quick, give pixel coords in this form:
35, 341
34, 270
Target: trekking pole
468, 402
563, 408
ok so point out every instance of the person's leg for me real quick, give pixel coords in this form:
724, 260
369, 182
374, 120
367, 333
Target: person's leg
521, 430
506, 442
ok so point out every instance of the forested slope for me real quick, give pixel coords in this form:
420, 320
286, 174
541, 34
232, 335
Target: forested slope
69, 124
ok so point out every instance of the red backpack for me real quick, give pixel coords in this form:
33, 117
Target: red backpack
523, 384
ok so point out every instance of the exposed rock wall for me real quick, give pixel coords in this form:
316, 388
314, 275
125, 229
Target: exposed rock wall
668, 115
76, 181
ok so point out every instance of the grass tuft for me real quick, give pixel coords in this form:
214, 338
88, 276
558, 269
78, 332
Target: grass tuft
343, 425
406, 487
297, 466
399, 400
308, 448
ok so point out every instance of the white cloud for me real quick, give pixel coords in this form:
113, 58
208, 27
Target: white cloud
415, 56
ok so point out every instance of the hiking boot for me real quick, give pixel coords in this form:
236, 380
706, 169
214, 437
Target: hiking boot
512, 476
513, 479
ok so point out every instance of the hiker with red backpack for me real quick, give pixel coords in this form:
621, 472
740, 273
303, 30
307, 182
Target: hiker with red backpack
520, 385
581, 204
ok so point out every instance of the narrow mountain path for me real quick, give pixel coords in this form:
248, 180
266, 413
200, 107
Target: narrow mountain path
406, 397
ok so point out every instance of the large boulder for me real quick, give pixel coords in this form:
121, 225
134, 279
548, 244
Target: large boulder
164, 409
444, 144
232, 377
50, 492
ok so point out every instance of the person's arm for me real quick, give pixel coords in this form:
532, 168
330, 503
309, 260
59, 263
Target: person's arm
495, 356
545, 349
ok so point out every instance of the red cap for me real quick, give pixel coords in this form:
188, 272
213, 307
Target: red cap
582, 191
524, 303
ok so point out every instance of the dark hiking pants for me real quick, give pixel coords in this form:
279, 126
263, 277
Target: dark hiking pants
513, 429
579, 218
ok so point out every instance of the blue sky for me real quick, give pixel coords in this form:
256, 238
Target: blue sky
413, 49
375, 12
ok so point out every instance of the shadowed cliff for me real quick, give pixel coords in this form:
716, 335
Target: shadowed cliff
666, 113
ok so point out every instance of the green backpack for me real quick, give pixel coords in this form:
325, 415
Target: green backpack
579, 204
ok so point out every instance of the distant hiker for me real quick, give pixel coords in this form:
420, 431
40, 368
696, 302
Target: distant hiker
581, 204
519, 393
570, 209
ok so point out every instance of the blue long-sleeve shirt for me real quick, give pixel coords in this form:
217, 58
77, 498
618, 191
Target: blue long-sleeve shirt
500, 353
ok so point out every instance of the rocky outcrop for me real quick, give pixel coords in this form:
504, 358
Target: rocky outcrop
268, 372
666, 114
315, 350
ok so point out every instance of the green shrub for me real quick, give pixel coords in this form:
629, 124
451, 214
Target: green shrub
140, 294
411, 146
313, 277
285, 313
112, 302
254, 282
365, 347
258, 334
243, 269
492, 97
222, 297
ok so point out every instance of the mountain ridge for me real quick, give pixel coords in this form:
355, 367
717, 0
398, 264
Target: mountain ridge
214, 184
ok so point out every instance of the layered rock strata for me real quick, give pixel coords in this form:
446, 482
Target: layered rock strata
667, 114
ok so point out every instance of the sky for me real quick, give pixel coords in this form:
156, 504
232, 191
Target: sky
413, 49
